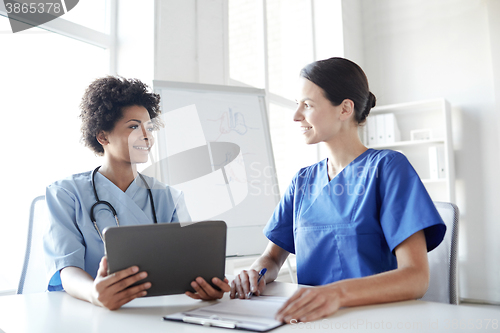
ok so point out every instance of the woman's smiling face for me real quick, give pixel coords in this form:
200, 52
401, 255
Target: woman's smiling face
319, 119
131, 139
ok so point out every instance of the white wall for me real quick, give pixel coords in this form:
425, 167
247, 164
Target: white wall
422, 49
494, 22
191, 41
353, 31
135, 40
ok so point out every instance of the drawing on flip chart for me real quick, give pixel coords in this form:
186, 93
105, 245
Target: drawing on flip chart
231, 122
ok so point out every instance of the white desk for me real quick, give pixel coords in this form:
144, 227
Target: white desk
58, 312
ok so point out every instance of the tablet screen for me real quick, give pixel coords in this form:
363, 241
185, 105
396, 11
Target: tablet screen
173, 254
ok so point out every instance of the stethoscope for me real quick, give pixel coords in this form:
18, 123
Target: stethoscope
99, 202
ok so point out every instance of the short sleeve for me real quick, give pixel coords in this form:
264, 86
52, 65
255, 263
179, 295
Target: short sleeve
63, 242
406, 207
181, 213
279, 229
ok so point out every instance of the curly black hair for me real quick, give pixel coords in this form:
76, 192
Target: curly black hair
103, 102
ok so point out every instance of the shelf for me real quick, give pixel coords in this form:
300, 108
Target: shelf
434, 181
5, 292
428, 105
433, 115
407, 143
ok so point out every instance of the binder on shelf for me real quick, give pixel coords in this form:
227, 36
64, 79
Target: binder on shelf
380, 124
372, 130
366, 139
436, 162
441, 164
392, 133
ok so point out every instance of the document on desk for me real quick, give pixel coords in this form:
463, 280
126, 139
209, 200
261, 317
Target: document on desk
254, 314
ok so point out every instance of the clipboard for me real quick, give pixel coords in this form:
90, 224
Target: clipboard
255, 314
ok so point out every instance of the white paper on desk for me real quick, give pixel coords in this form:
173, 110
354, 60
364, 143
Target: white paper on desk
256, 314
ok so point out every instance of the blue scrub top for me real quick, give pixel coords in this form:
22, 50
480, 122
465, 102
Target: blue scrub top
349, 227
71, 239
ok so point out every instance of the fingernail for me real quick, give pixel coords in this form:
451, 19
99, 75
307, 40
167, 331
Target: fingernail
148, 285
143, 274
193, 284
144, 293
135, 269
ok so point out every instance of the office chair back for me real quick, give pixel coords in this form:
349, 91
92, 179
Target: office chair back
443, 286
33, 274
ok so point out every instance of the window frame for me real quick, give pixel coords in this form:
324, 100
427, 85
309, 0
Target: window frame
84, 34
106, 41
273, 98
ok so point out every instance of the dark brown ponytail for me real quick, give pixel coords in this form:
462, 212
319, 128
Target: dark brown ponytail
342, 79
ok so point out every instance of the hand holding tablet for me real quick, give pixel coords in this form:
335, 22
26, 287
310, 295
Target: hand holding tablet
173, 254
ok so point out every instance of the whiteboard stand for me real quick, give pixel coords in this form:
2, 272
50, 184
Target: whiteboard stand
215, 146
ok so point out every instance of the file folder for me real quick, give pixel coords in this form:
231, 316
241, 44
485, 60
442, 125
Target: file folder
381, 134
392, 133
372, 130
436, 162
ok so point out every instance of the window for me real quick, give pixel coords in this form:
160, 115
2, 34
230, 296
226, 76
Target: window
290, 43
246, 36
93, 14
269, 43
44, 76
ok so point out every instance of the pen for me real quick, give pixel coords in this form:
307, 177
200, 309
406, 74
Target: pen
261, 275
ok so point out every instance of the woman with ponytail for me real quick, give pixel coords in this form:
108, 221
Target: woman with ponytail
360, 221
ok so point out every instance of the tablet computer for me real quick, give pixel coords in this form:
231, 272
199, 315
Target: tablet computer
173, 254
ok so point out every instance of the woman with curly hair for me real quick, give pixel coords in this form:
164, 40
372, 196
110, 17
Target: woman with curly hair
118, 117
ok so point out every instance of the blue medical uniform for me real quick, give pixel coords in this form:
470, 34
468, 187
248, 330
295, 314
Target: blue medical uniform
71, 239
349, 227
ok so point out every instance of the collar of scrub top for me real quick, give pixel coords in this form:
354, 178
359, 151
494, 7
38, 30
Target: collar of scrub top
110, 206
